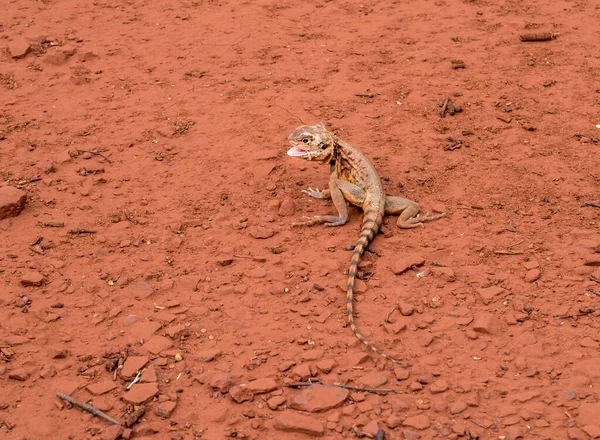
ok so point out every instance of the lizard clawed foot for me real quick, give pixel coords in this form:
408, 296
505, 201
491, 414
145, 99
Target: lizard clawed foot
338, 222
308, 221
328, 220
419, 220
316, 193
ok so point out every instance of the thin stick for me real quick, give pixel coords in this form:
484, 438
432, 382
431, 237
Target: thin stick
389, 314
444, 107
136, 379
97, 153
81, 231
592, 204
508, 252
346, 387
89, 408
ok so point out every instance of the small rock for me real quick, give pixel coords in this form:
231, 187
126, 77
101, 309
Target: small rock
261, 386
401, 373
487, 323
45, 166
396, 327
132, 365
19, 48
141, 393
592, 431
406, 263
371, 428
287, 207
525, 396
260, 232
55, 58
373, 380
113, 432
311, 355
149, 374
316, 398
419, 422
326, 365
276, 401
101, 387
458, 407
157, 344
286, 365
513, 433
257, 272
393, 421
47, 371
295, 422
531, 264
221, 382
439, 386
19, 374
406, 309
301, 372
412, 435
532, 275
208, 355
32, 279
488, 294
240, 393
165, 409
576, 434
138, 291
592, 260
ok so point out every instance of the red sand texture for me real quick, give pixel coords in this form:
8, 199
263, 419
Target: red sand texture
161, 128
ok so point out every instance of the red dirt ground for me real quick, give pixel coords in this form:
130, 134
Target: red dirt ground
189, 104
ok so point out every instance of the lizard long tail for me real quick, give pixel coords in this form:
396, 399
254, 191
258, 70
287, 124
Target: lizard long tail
366, 236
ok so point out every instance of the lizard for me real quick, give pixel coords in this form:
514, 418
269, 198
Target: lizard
353, 178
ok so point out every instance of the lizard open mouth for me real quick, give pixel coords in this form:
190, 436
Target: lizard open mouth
297, 152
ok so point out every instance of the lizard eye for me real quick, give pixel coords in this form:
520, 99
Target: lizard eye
323, 147
305, 141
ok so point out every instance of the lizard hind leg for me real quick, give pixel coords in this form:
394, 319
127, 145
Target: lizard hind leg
409, 212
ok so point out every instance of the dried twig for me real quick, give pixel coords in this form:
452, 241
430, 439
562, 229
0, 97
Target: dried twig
96, 153
389, 314
444, 106
592, 204
136, 379
508, 252
89, 408
346, 387
81, 231
130, 419
51, 224
539, 36
37, 251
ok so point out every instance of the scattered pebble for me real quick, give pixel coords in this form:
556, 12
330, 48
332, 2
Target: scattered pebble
141, 393
260, 232
487, 323
165, 409
295, 422
317, 398
407, 262
240, 393
32, 279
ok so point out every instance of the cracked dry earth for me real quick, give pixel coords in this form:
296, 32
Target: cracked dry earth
149, 139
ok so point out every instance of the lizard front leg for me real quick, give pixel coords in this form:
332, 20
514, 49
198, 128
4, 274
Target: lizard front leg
409, 212
337, 196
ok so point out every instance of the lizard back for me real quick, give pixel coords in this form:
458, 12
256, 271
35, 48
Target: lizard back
354, 167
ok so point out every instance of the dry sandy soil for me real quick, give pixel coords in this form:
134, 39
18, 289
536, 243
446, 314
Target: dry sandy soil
150, 139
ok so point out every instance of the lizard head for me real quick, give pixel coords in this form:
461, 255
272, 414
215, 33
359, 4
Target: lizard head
312, 142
